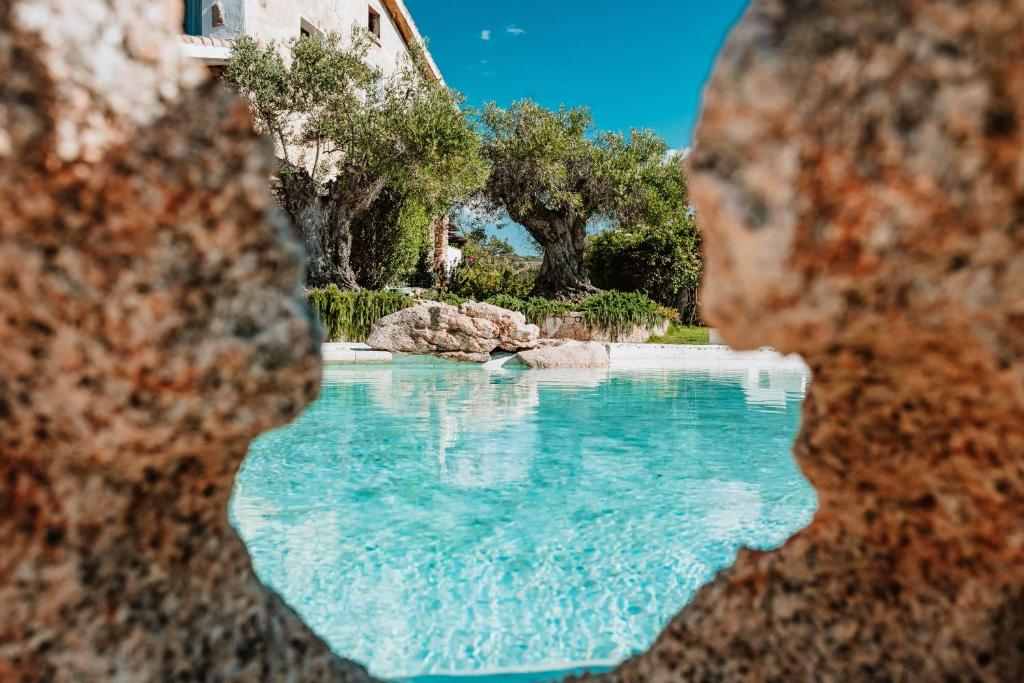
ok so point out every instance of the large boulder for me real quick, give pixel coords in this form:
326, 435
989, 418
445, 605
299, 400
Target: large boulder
152, 324
514, 333
567, 355
467, 333
859, 180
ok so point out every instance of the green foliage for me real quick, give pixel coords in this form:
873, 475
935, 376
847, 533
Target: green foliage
621, 311
490, 267
323, 98
331, 111
386, 153
540, 159
543, 160
388, 240
536, 308
684, 334
661, 260
553, 174
612, 311
443, 297
349, 315
657, 189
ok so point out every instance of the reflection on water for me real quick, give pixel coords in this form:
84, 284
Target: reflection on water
429, 517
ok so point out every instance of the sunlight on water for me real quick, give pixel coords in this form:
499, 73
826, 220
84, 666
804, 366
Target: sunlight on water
429, 517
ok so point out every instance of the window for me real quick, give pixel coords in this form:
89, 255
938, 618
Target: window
193, 24
373, 23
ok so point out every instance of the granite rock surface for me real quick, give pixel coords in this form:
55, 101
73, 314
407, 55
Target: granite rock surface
859, 177
469, 332
152, 324
567, 354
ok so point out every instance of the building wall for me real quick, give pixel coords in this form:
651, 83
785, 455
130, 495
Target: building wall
452, 258
281, 20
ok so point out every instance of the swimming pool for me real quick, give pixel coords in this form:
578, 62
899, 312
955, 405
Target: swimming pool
430, 518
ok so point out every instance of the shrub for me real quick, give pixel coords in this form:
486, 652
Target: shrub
388, 240
621, 311
348, 315
443, 297
536, 309
491, 267
661, 261
612, 311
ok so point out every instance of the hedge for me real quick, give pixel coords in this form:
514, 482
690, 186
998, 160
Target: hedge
349, 315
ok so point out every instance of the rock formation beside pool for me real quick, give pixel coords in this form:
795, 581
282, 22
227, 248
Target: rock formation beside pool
859, 181
566, 354
153, 324
467, 333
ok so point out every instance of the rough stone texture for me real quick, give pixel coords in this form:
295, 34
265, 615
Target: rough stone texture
152, 324
467, 333
573, 326
566, 354
859, 176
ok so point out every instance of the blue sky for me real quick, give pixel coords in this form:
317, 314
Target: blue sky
636, 65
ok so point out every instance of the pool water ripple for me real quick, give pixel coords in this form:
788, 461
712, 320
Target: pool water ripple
435, 518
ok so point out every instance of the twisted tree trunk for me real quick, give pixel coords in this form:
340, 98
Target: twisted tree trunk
685, 301
323, 213
563, 274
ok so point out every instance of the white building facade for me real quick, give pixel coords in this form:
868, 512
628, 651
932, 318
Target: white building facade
209, 26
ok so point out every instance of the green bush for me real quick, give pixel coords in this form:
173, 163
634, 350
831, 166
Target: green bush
621, 311
349, 315
662, 261
536, 308
491, 267
612, 311
388, 240
443, 297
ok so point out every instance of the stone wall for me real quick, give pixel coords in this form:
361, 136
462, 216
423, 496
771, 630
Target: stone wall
574, 326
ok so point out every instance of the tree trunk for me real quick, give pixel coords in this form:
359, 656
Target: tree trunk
685, 301
563, 274
324, 214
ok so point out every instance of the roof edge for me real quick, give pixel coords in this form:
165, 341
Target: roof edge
411, 35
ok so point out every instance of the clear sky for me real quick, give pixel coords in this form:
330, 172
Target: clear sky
635, 64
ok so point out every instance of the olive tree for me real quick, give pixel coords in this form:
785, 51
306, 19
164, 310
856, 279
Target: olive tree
554, 175
345, 133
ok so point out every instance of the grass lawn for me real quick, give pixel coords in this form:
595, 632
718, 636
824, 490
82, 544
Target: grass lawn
683, 334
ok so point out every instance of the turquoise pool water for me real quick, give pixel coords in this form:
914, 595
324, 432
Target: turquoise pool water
432, 518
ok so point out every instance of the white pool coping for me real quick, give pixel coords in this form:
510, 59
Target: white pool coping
712, 357
344, 352
700, 357
521, 674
